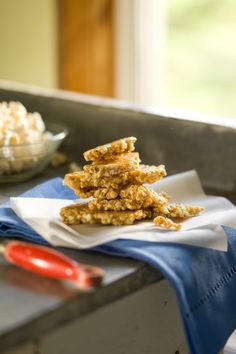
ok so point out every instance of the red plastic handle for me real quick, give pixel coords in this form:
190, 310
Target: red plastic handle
52, 264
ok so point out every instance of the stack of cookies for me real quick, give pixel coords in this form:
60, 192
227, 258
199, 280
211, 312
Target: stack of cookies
114, 179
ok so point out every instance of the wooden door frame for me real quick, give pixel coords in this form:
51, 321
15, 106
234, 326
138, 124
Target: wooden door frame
86, 46
132, 66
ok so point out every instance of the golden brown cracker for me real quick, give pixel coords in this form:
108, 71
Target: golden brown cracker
80, 214
109, 168
108, 151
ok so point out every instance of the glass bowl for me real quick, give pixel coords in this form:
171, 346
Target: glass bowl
21, 162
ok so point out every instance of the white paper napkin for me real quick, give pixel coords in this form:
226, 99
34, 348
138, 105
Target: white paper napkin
204, 230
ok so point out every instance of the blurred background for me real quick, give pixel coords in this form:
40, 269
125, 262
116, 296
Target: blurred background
168, 53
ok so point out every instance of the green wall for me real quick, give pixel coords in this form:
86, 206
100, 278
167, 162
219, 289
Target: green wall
28, 41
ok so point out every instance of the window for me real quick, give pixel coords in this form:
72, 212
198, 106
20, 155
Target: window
200, 66
178, 54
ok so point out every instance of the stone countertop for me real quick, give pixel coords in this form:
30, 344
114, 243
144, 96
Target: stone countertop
31, 305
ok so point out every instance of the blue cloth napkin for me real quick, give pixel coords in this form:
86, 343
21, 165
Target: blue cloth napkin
12, 226
204, 280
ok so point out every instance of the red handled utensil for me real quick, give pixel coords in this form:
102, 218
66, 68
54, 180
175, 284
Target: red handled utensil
51, 264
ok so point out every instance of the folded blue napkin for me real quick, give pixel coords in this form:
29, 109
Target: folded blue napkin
12, 226
204, 280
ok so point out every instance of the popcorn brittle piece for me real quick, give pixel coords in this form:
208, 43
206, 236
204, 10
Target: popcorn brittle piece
106, 193
166, 223
182, 211
144, 174
132, 191
81, 180
85, 192
148, 174
132, 197
114, 204
75, 214
108, 151
80, 214
140, 192
108, 168
100, 193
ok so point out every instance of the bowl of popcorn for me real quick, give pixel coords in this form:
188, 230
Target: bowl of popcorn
26, 145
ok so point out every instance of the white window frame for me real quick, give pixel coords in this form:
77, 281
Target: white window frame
140, 31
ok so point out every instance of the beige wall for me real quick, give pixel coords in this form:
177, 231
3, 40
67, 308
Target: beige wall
28, 41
